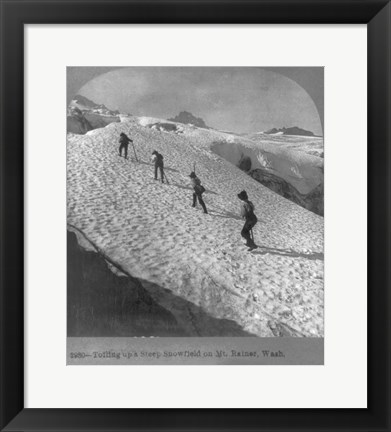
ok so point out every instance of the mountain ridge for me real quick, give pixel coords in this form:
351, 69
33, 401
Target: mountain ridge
186, 117
294, 130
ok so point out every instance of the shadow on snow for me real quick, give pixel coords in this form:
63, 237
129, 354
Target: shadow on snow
263, 250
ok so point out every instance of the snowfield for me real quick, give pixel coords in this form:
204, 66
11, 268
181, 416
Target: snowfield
312, 145
151, 230
301, 170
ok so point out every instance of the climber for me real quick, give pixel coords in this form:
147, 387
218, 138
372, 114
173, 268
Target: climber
124, 141
198, 191
157, 158
247, 213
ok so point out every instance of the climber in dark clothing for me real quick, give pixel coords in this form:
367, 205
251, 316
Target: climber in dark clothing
198, 191
124, 141
157, 158
247, 213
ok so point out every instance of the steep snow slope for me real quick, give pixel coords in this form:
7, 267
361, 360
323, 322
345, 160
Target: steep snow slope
176, 251
103, 303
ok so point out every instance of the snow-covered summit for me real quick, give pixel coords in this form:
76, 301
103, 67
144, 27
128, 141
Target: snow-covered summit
85, 102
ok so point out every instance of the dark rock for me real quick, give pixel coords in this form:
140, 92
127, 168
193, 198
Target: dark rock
312, 201
76, 122
89, 116
188, 118
245, 163
82, 100
290, 131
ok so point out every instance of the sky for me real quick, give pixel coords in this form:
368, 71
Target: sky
237, 99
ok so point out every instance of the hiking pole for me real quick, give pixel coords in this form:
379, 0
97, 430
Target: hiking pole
135, 155
165, 176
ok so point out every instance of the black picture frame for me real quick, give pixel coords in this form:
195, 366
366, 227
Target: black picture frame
16, 13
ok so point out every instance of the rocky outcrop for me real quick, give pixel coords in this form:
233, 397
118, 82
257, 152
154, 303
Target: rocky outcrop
290, 131
312, 201
188, 118
98, 121
316, 198
84, 115
76, 122
85, 102
245, 163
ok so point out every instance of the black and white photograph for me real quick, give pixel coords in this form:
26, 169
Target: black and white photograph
195, 215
